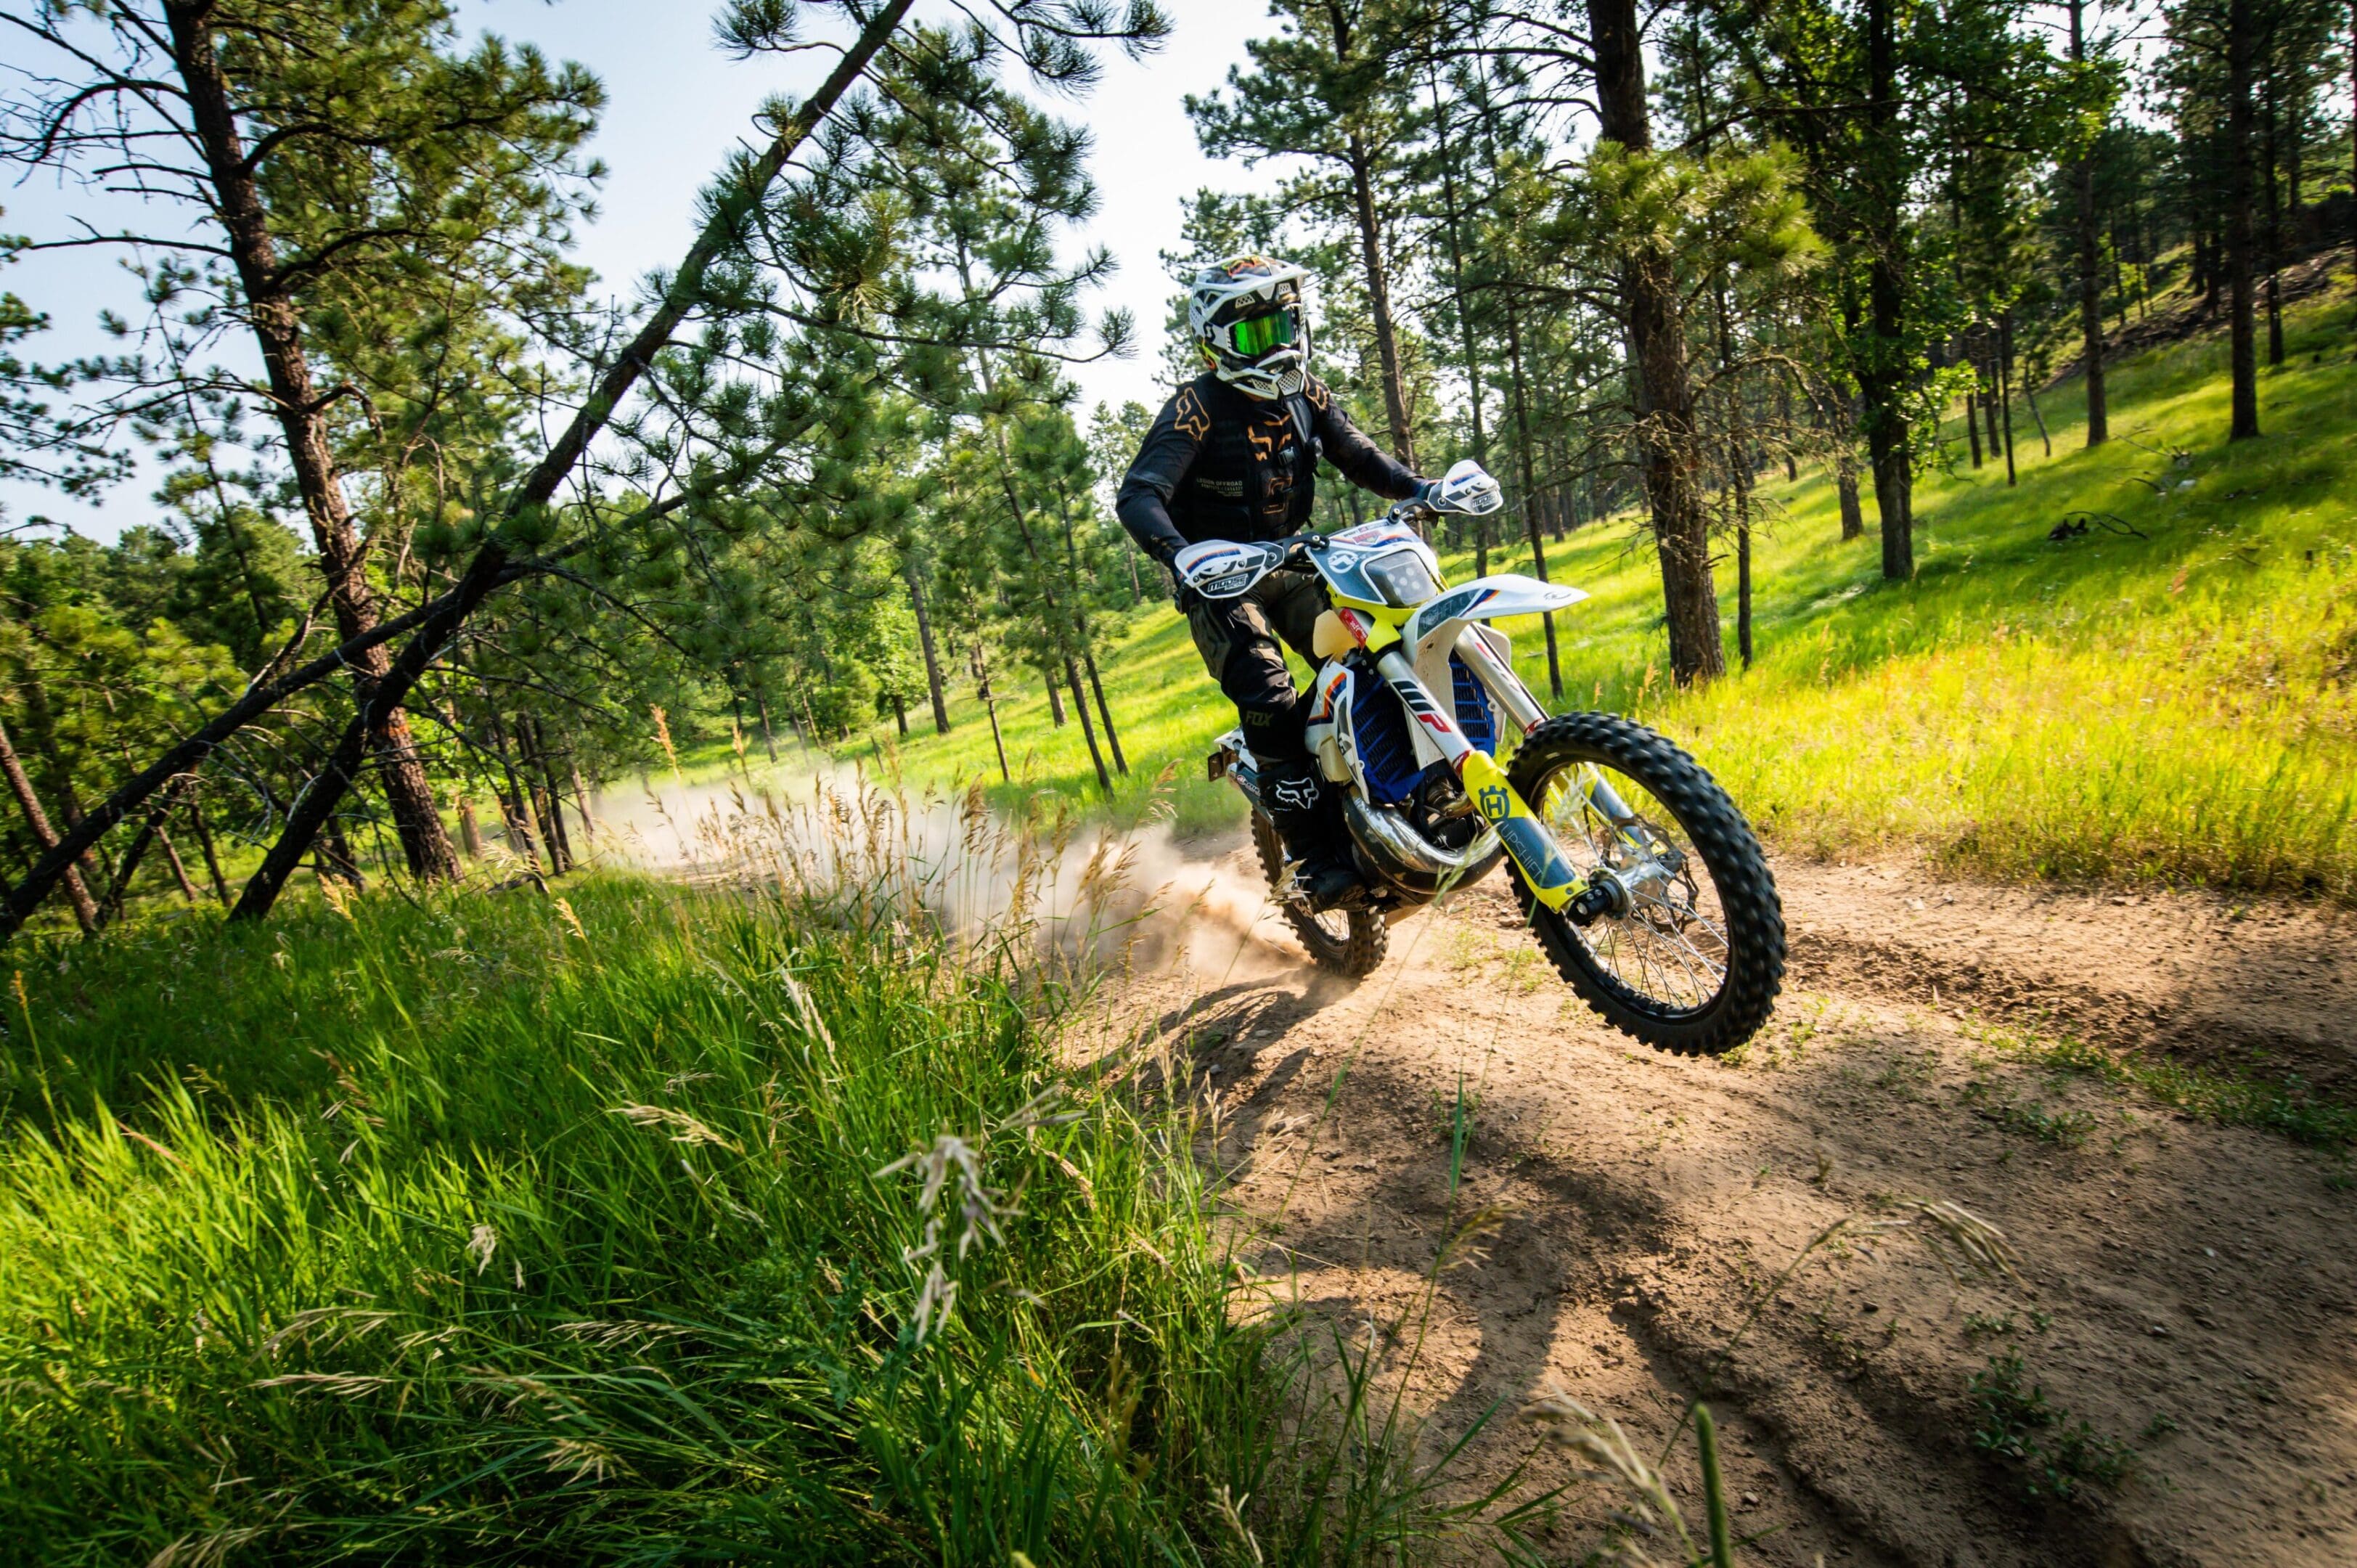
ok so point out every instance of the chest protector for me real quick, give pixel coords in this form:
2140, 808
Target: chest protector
1255, 471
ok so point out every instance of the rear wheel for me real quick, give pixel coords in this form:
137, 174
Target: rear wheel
1348, 942
1691, 954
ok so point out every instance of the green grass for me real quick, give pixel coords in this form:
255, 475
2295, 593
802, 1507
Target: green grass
2285, 1105
2179, 706
498, 1229
2055, 1454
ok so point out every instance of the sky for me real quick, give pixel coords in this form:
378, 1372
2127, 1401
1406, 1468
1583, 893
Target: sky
674, 106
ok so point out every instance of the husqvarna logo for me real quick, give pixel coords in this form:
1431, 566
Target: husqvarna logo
1496, 804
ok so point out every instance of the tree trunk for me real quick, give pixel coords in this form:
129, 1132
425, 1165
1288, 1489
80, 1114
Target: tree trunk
769, 743
2275, 222
925, 641
2091, 307
336, 859
2005, 389
1088, 729
302, 415
1743, 590
1853, 510
1973, 424
1112, 737
1464, 313
1853, 515
1985, 369
1784, 428
1527, 497
2243, 350
513, 811
1884, 378
2030, 397
1379, 299
1055, 701
76, 892
1664, 394
981, 664
2295, 146
179, 869
471, 833
581, 789
1739, 478
536, 792
119, 893
557, 836
43, 732
205, 843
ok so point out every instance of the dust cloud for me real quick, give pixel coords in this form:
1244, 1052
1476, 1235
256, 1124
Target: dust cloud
1093, 893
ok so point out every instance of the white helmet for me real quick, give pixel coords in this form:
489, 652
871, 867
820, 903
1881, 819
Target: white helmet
1247, 317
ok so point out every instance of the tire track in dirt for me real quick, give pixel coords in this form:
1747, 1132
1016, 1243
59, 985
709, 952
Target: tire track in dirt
2187, 1288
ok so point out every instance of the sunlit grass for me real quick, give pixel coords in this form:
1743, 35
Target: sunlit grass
2180, 706
506, 1230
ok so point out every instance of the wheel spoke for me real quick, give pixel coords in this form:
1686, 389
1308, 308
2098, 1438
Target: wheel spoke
1670, 947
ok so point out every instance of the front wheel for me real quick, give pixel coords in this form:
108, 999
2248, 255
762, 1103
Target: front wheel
1348, 942
1690, 954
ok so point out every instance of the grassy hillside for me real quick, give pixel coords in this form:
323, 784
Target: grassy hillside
2176, 702
504, 1230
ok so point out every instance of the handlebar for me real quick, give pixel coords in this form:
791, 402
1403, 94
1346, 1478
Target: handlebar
1297, 545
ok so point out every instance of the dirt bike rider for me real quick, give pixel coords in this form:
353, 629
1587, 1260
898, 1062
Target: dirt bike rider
1235, 457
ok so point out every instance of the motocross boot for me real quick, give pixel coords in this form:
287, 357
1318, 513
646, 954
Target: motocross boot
1294, 796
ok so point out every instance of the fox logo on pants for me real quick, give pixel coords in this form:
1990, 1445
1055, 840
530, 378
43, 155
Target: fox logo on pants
1299, 794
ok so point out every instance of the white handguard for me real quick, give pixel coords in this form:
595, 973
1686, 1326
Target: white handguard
1224, 569
1466, 491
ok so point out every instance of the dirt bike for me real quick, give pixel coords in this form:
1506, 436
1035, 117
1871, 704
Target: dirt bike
1639, 879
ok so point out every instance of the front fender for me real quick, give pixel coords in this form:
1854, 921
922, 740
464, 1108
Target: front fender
1495, 597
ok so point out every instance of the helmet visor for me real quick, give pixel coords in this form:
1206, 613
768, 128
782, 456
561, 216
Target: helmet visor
1257, 335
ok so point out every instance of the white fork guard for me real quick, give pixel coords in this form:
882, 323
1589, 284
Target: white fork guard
1437, 630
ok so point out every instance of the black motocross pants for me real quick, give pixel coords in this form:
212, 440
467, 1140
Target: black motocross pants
1239, 641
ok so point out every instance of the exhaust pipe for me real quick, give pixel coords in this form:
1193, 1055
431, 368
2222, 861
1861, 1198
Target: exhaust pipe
1412, 864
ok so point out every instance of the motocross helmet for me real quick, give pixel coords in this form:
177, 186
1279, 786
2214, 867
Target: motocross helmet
1248, 318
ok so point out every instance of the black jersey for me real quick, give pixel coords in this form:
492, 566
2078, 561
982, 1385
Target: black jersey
1221, 465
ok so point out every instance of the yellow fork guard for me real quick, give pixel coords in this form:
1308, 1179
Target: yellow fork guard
1551, 881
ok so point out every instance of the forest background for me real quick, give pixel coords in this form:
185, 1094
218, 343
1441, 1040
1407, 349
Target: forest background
836, 470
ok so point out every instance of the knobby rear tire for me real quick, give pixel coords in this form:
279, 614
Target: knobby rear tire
1731, 854
1355, 956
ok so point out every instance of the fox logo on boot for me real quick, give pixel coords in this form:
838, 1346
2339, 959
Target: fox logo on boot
1299, 794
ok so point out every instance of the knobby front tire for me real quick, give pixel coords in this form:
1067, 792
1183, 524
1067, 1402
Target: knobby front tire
1729, 900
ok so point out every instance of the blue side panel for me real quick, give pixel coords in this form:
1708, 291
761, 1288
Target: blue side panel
1473, 715
1385, 750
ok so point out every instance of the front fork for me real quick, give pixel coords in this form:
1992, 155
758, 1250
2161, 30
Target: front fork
1549, 877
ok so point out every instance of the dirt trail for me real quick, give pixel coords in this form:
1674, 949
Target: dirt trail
2187, 1288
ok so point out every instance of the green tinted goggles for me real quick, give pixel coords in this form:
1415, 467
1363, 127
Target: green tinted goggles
1257, 335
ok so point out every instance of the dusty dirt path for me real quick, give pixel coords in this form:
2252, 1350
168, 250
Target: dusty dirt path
2187, 1288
